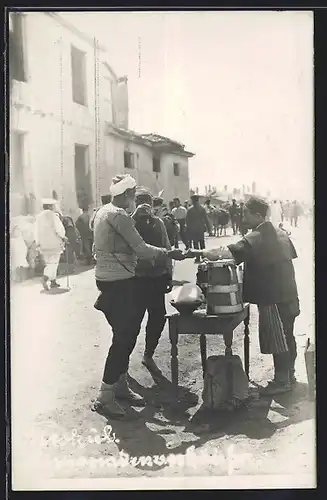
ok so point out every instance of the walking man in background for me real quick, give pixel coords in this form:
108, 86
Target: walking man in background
50, 239
179, 212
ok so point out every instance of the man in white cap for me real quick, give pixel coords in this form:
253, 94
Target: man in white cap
50, 239
118, 246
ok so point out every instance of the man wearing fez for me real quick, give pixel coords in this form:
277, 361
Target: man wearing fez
118, 246
268, 281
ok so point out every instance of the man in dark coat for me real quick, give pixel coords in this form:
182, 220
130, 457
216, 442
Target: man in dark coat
197, 222
83, 226
268, 281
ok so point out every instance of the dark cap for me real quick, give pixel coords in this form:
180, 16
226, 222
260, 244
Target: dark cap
143, 195
157, 201
257, 206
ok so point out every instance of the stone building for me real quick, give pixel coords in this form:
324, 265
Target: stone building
69, 122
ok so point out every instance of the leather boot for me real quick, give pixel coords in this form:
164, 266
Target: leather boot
54, 284
124, 392
106, 403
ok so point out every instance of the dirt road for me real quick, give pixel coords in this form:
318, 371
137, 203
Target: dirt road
59, 345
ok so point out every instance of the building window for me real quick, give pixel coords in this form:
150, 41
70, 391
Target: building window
176, 169
78, 61
129, 160
83, 182
156, 167
17, 60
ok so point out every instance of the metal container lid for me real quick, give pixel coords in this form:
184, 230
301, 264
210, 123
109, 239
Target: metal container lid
221, 263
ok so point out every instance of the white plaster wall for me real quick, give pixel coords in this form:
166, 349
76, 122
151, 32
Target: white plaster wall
47, 43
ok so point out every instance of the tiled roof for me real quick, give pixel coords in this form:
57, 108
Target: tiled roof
152, 140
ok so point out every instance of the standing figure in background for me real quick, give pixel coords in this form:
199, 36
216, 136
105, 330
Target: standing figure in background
73, 244
241, 223
234, 215
179, 212
160, 210
197, 222
83, 227
223, 219
287, 210
295, 213
275, 213
154, 277
282, 211
50, 239
186, 204
215, 222
210, 212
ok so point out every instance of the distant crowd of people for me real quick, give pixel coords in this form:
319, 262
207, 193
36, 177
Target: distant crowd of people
187, 223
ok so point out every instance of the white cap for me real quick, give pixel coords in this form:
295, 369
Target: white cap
121, 183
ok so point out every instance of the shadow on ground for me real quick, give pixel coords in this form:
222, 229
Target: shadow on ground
166, 407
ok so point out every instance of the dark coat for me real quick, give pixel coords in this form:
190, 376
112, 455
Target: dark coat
197, 222
269, 276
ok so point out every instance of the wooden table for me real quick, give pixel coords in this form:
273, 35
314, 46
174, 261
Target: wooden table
199, 323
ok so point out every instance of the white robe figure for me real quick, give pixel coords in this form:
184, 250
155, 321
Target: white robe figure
275, 214
50, 234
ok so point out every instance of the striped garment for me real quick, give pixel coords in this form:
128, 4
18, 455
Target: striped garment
271, 333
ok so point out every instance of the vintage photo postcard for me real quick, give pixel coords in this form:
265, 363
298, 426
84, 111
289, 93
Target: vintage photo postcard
161, 249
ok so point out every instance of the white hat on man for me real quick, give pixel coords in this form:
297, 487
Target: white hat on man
121, 183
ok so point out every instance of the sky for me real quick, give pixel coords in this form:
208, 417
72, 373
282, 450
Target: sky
235, 87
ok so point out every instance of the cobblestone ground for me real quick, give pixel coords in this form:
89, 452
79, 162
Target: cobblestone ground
59, 345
